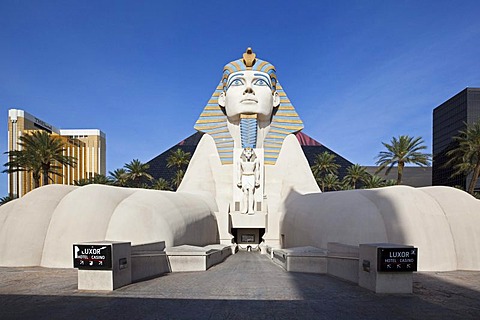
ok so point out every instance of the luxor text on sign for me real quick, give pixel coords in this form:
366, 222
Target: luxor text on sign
397, 259
94, 257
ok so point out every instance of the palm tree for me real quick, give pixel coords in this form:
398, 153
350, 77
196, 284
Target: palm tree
96, 179
400, 151
178, 159
137, 173
5, 199
177, 178
389, 183
21, 160
161, 184
466, 155
331, 182
119, 177
82, 182
41, 153
355, 173
373, 181
345, 185
323, 165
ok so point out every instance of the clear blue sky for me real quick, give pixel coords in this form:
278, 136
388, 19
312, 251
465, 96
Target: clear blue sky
358, 72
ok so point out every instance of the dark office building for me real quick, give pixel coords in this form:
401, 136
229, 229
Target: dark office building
412, 176
448, 119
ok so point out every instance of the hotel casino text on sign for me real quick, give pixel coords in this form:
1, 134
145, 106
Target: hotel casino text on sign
397, 259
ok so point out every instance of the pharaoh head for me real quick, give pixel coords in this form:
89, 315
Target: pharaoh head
248, 154
249, 87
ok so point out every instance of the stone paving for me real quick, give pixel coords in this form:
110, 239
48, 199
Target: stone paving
245, 286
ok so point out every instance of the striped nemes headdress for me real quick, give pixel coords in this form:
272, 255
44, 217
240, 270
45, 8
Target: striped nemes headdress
285, 119
250, 62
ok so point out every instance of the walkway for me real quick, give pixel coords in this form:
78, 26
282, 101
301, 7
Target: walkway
245, 286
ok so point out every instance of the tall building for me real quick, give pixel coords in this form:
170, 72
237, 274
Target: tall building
448, 119
87, 146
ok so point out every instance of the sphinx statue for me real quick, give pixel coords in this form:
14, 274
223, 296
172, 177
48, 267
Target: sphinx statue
249, 110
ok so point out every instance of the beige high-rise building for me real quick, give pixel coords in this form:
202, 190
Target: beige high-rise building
87, 146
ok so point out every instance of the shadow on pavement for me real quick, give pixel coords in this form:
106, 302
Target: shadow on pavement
245, 286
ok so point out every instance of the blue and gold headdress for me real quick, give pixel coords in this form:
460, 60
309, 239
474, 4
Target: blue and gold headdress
214, 121
250, 62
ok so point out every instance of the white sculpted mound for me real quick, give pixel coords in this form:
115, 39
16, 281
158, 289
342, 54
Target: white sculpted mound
40, 228
443, 222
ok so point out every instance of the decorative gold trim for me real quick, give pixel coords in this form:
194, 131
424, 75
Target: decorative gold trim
248, 116
249, 58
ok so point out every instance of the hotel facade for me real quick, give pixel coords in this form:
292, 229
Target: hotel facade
87, 146
449, 119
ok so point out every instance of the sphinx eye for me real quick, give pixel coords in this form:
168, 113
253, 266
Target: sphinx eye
260, 82
236, 82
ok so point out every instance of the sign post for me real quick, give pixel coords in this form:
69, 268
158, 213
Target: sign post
387, 267
102, 265
92, 257
397, 259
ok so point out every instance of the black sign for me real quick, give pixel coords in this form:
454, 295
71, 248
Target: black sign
397, 259
92, 257
42, 125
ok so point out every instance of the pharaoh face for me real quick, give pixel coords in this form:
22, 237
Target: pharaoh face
248, 153
249, 92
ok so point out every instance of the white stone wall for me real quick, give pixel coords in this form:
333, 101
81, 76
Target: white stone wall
444, 223
40, 228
